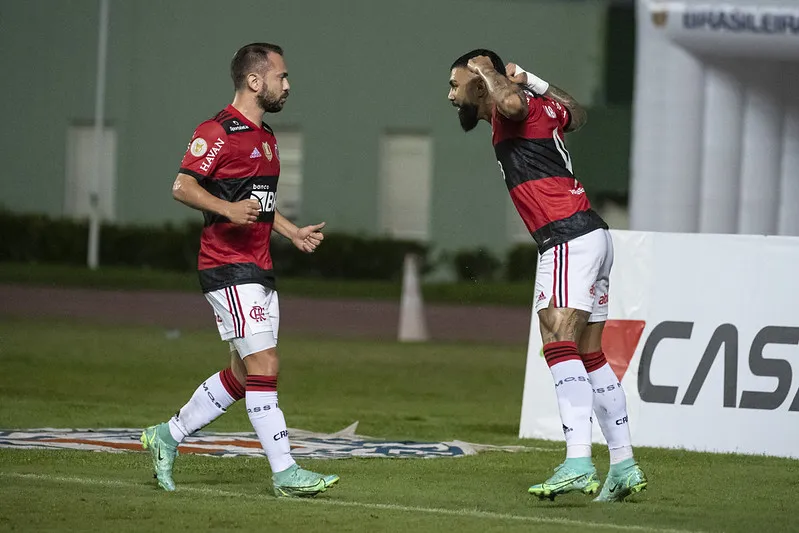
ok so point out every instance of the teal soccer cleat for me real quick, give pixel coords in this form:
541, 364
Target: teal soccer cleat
163, 450
624, 479
295, 482
574, 475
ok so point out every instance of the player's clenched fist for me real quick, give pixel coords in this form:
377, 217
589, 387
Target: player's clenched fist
510, 72
243, 212
480, 64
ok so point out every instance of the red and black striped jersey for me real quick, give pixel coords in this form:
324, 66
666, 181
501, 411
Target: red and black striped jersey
234, 160
537, 170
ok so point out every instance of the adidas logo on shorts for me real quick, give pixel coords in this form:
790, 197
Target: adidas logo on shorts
541, 296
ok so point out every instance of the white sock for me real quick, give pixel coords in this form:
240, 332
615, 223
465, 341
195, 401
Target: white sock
610, 406
575, 398
268, 421
209, 401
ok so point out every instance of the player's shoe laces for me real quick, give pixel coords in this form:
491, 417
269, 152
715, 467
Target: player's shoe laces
572, 476
623, 479
162, 452
294, 482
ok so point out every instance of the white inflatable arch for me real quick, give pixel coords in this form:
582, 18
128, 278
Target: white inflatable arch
716, 121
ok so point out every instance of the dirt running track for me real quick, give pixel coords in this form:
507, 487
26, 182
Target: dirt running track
337, 318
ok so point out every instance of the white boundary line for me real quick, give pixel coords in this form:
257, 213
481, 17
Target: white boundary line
474, 513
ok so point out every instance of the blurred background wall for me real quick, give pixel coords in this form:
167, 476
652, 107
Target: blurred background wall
368, 140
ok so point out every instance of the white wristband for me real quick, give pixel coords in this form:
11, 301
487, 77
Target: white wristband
534, 83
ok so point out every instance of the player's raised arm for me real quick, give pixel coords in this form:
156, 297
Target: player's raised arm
506, 95
578, 114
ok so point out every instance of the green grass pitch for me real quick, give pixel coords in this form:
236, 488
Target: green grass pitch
63, 374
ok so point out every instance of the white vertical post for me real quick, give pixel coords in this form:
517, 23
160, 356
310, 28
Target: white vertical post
667, 131
721, 149
761, 152
651, 90
93, 255
680, 142
789, 184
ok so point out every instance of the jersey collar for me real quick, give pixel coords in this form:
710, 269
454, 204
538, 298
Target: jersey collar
235, 112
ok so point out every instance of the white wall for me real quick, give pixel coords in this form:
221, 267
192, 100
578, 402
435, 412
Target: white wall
706, 362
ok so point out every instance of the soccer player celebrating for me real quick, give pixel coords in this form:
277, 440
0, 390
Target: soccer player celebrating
528, 119
230, 172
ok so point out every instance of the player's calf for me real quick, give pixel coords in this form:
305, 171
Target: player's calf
560, 327
610, 406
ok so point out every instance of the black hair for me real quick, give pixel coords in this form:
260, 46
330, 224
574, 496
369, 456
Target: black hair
495, 59
247, 58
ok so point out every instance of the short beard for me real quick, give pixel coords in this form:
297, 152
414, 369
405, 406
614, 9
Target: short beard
467, 114
269, 102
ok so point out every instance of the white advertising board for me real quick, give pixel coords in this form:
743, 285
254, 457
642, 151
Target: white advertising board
704, 334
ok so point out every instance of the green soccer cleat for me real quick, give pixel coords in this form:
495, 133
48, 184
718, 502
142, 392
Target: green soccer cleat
624, 479
572, 476
163, 450
330, 480
295, 482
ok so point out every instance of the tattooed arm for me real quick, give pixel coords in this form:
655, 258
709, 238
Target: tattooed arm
505, 94
578, 114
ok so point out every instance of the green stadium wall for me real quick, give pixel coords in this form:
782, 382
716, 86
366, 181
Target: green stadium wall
358, 68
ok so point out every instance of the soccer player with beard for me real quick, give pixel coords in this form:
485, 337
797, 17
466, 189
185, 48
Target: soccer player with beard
230, 172
528, 119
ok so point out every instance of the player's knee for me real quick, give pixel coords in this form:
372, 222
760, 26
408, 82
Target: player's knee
556, 336
591, 338
239, 369
265, 362
552, 333
561, 324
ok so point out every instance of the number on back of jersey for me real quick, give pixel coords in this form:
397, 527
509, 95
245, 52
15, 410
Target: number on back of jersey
561, 146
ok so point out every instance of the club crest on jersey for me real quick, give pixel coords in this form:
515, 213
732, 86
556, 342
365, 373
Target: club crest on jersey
267, 150
550, 111
198, 147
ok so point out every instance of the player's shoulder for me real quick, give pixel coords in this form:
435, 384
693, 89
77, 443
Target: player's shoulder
229, 123
542, 105
554, 104
534, 101
210, 128
209, 135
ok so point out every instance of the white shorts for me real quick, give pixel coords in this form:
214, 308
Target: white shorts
576, 275
247, 315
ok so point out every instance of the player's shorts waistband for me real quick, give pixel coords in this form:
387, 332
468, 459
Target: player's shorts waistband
213, 279
566, 229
